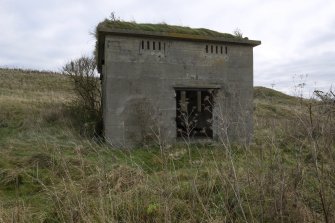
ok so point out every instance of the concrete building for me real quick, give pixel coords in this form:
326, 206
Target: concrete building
164, 83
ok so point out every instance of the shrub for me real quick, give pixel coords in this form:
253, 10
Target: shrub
87, 88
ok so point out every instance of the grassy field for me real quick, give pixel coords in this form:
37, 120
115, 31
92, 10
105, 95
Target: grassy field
50, 171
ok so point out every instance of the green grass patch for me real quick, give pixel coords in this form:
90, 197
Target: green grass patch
51, 172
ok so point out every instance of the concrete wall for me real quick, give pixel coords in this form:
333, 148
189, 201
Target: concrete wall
139, 94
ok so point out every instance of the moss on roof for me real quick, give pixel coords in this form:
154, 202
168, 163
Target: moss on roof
162, 27
109, 25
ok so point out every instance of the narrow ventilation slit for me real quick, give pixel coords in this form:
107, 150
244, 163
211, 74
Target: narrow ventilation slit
206, 48
226, 50
216, 49
211, 48
221, 50
152, 45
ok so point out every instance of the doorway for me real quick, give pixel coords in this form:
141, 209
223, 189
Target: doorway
194, 113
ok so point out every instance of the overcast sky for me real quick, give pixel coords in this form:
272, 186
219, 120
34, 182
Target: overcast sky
298, 36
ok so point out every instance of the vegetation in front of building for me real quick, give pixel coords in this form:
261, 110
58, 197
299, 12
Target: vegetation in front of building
52, 169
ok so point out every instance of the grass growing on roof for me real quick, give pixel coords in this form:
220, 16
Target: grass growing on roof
163, 27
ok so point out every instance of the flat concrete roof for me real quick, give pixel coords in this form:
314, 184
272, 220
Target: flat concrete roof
181, 36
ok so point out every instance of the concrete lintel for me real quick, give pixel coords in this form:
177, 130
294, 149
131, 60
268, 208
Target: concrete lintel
197, 86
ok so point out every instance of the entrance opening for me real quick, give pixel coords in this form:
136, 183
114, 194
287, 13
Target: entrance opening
194, 114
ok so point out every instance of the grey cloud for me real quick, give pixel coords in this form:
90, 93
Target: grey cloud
285, 75
296, 38
321, 39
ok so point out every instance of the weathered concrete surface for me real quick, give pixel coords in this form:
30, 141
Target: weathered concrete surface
139, 87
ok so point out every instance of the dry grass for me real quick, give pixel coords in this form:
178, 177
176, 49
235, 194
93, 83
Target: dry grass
51, 173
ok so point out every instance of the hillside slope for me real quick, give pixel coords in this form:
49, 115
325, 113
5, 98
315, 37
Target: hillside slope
51, 172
